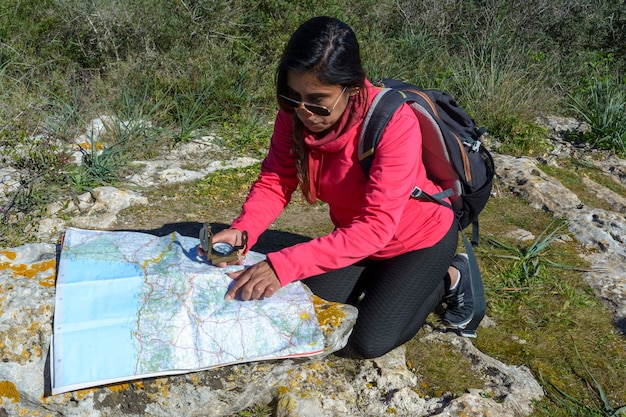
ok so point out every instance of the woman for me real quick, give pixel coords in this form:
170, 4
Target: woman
388, 255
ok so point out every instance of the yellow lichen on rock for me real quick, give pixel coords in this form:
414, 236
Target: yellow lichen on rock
48, 281
328, 313
287, 403
118, 387
283, 389
82, 393
163, 386
88, 146
9, 254
28, 271
56, 399
9, 390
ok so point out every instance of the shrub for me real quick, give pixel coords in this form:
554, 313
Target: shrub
601, 102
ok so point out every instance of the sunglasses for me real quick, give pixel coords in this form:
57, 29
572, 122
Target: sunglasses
312, 108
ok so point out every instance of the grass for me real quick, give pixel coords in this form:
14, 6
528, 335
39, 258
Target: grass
601, 407
99, 167
498, 92
192, 116
261, 410
602, 104
527, 262
432, 363
131, 125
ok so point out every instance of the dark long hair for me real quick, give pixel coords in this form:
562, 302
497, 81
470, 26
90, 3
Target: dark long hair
327, 48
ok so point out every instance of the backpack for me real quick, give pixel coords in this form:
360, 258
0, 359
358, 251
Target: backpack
453, 156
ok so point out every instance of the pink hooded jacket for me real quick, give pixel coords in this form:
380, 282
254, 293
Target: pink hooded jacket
373, 218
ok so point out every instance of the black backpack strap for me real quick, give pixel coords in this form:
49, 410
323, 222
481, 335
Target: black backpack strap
475, 233
382, 109
478, 291
438, 198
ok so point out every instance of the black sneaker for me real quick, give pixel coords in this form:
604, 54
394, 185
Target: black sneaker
459, 302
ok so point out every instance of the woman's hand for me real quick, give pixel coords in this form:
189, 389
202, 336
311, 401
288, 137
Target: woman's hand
234, 237
254, 283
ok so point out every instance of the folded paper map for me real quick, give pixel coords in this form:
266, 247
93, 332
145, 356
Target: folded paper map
132, 305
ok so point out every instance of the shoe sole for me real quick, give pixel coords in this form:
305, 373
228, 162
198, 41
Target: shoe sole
478, 292
468, 327
461, 325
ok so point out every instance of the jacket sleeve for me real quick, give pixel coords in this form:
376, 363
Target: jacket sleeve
375, 225
274, 186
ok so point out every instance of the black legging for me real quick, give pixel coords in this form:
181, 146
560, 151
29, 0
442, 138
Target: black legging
394, 296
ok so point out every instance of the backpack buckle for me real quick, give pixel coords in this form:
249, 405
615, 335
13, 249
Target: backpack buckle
417, 192
473, 144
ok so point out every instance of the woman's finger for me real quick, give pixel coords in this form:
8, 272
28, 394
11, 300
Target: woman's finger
253, 289
270, 290
255, 282
240, 279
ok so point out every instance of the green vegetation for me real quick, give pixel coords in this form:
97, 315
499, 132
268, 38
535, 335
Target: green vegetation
255, 411
528, 262
164, 72
158, 73
601, 407
601, 102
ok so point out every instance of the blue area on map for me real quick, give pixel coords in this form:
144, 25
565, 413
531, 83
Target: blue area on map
82, 269
96, 322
